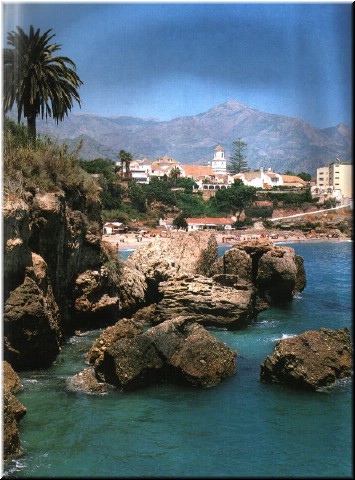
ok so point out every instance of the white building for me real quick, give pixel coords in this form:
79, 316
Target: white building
260, 178
219, 164
336, 175
194, 224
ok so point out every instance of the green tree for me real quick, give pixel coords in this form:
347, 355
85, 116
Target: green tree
39, 82
180, 222
126, 159
238, 162
138, 196
104, 166
187, 183
174, 174
305, 176
111, 194
160, 191
235, 199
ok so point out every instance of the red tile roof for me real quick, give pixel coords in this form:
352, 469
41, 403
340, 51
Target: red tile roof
210, 221
197, 170
293, 179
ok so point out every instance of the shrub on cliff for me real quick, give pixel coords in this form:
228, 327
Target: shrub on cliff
45, 166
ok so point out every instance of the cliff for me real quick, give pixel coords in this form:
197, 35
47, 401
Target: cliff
51, 259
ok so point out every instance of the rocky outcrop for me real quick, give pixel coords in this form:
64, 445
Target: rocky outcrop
237, 286
311, 360
184, 277
218, 301
87, 382
125, 328
32, 332
190, 253
177, 350
16, 233
276, 272
13, 411
56, 275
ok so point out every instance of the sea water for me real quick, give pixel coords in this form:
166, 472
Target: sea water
238, 428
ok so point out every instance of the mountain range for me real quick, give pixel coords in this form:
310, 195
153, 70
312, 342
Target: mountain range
273, 141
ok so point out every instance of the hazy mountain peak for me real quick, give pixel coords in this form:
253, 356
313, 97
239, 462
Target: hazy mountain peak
233, 104
280, 142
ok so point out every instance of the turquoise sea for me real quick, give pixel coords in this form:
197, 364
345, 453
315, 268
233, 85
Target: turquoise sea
239, 428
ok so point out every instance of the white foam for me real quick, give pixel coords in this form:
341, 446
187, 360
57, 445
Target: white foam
283, 337
16, 466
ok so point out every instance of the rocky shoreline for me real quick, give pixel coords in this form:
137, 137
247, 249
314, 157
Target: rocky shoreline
60, 277
129, 241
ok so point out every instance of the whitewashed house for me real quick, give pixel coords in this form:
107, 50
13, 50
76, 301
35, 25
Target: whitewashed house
194, 224
111, 228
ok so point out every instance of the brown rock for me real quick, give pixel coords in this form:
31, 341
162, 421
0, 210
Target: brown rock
13, 411
177, 350
31, 333
279, 275
235, 261
190, 253
16, 232
86, 382
311, 360
217, 301
94, 297
125, 328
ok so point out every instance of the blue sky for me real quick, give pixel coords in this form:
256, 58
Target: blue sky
165, 60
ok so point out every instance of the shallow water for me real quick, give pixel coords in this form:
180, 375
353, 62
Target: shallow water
240, 427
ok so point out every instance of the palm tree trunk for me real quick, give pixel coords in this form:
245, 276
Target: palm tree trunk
31, 127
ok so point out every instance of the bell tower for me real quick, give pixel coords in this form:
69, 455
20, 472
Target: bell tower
219, 164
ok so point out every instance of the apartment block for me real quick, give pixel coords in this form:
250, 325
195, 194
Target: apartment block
337, 175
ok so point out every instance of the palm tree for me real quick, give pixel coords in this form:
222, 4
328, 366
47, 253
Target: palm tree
36, 80
126, 158
174, 174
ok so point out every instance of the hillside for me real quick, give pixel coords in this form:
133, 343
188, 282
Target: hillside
276, 141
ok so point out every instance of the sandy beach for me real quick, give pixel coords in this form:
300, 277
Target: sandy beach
132, 241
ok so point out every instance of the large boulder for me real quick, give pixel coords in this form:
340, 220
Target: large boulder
217, 301
94, 298
311, 360
32, 333
187, 253
178, 350
235, 261
191, 253
13, 411
86, 382
276, 272
132, 290
280, 274
124, 328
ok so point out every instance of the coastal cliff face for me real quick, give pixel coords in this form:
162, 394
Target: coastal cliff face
13, 411
48, 248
